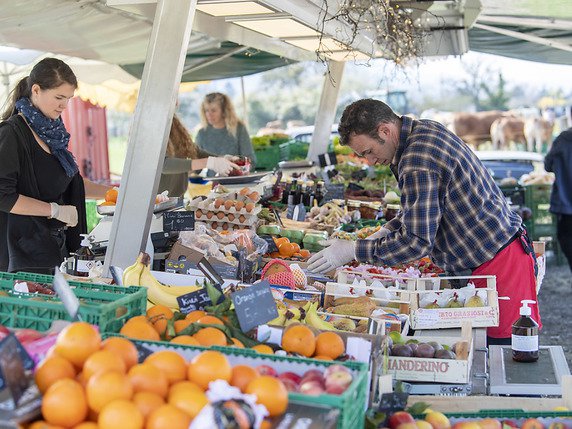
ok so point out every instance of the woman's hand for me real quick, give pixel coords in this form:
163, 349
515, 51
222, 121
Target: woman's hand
221, 165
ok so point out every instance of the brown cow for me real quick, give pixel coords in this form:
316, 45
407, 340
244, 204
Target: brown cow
505, 130
537, 132
475, 128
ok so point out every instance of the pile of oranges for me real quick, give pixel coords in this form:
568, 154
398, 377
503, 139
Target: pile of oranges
286, 249
110, 197
88, 383
300, 339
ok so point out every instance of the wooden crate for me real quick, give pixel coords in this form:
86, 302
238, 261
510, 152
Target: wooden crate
436, 370
437, 318
347, 276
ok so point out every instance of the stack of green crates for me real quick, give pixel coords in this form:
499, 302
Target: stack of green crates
100, 304
542, 223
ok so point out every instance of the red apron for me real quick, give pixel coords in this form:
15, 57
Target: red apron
514, 269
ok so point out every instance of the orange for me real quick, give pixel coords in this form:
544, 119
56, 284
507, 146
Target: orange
158, 316
147, 402
212, 320
181, 324
305, 253
104, 387
183, 386
263, 348
123, 348
64, 403
120, 414
168, 417
111, 195
42, 424
171, 363
103, 360
270, 392
242, 375
195, 315
209, 366
295, 247
140, 329
81, 379
330, 344
211, 337
279, 241
148, 378
286, 250
51, 370
189, 398
185, 339
299, 339
322, 357
237, 343
86, 425
107, 203
77, 342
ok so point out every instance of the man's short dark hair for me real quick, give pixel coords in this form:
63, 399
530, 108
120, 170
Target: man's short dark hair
363, 117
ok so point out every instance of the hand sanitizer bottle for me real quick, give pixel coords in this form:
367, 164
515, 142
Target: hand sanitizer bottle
524, 342
83, 258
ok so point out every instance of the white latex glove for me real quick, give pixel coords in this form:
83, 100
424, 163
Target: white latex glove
65, 214
338, 253
220, 165
231, 157
380, 233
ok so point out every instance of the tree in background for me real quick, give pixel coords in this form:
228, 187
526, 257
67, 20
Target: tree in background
486, 91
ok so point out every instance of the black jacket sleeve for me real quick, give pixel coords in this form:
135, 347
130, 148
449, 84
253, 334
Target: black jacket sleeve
9, 167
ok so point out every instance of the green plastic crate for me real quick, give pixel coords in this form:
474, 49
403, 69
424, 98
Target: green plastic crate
103, 305
542, 223
351, 403
511, 414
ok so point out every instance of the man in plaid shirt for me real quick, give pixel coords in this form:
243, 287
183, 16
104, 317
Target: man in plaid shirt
451, 208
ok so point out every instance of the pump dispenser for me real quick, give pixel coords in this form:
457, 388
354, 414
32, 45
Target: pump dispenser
525, 335
83, 258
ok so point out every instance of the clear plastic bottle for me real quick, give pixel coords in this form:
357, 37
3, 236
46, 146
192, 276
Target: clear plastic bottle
524, 341
83, 258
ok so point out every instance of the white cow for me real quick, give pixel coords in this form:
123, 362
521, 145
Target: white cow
537, 132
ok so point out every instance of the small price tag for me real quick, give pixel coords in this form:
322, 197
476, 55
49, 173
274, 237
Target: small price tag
334, 192
205, 267
196, 300
226, 271
327, 159
178, 221
426, 317
65, 293
254, 305
297, 212
13, 361
271, 243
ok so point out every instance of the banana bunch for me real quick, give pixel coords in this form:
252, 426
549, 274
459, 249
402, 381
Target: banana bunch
306, 314
139, 274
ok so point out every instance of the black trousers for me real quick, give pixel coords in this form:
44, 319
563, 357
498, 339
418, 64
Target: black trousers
564, 233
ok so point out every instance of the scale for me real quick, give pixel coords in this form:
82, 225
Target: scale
540, 378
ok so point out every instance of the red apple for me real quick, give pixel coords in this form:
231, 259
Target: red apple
489, 424
510, 423
399, 418
408, 426
289, 384
294, 378
338, 381
466, 425
311, 388
267, 370
557, 425
437, 420
422, 424
335, 368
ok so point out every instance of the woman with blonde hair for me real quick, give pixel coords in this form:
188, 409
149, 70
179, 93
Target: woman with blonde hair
222, 132
182, 156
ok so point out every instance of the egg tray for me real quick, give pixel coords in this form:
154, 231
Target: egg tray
209, 205
231, 228
249, 219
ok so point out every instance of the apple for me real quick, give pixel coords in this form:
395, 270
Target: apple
422, 424
289, 384
337, 382
311, 388
489, 424
267, 370
313, 373
466, 425
532, 424
335, 368
294, 378
408, 426
399, 418
557, 425
437, 420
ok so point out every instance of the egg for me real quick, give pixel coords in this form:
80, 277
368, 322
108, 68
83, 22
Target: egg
225, 226
220, 215
199, 213
244, 192
230, 217
218, 202
210, 215
235, 227
241, 218
214, 225
249, 207
228, 204
239, 206
254, 196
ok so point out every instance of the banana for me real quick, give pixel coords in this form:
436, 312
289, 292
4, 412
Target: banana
289, 322
179, 290
314, 320
155, 290
279, 321
132, 274
295, 313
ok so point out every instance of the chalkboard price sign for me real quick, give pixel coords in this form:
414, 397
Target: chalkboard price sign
13, 360
326, 159
196, 300
178, 221
254, 305
334, 192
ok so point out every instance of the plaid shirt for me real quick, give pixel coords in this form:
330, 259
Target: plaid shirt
452, 210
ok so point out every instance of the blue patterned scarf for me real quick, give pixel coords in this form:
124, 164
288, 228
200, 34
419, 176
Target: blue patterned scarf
52, 132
